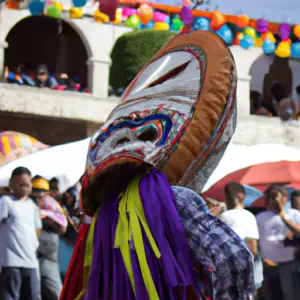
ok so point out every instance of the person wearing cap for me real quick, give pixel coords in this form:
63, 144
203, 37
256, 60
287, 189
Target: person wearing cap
51, 284
43, 79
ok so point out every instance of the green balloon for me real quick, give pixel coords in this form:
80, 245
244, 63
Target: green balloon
53, 11
177, 24
133, 21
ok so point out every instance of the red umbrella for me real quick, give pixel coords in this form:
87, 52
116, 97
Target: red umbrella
260, 177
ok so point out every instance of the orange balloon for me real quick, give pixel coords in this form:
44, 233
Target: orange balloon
12, 4
217, 20
296, 31
145, 13
242, 21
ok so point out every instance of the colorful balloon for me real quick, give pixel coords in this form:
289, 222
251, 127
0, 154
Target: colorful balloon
295, 50
160, 17
145, 13
242, 21
249, 31
133, 21
100, 17
75, 13
201, 23
262, 25
59, 6
176, 25
296, 31
186, 16
53, 12
284, 31
118, 17
258, 41
161, 26
127, 12
36, 7
283, 49
238, 38
79, 3
225, 33
268, 47
268, 36
217, 20
246, 42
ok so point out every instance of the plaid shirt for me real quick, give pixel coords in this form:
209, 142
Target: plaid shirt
224, 265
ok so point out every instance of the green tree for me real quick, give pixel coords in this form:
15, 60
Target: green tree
132, 51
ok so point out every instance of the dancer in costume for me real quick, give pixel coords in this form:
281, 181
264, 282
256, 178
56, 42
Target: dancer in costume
151, 235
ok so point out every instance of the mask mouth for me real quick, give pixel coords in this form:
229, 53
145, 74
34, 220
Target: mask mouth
108, 184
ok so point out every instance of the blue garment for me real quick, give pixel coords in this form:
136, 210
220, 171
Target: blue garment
214, 245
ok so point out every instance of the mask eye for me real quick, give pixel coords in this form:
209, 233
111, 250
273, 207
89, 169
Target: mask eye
148, 134
173, 73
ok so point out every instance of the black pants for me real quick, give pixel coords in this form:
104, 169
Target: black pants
282, 282
19, 284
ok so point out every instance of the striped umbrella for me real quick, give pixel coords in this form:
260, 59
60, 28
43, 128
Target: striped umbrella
14, 145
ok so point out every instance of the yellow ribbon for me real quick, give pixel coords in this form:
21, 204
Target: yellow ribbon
88, 256
131, 204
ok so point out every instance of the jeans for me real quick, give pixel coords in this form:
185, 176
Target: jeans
19, 284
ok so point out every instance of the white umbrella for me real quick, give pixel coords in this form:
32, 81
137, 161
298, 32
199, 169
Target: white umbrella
238, 157
66, 162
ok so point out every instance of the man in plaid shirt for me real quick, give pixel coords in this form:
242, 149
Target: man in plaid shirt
224, 265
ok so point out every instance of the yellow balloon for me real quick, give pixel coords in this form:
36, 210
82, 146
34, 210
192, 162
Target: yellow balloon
118, 17
161, 26
100, 17
59, 6
75, 12
250, 32
283, 49
269, 36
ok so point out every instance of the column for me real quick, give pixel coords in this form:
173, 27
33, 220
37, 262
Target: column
98, 77
243, 96
3, 45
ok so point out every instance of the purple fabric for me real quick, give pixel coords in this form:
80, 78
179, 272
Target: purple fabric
165, 225
172, 273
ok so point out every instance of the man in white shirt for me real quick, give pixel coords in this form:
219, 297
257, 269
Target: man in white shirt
279, 263
20, 224
244, 224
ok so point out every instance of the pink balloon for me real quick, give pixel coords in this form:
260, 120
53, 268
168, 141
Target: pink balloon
159, 17
186, 16
127, 12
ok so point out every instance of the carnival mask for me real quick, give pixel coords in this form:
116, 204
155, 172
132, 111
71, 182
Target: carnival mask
174, 113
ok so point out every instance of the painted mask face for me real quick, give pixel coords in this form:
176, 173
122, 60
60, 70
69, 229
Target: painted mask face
153, 113
174, 112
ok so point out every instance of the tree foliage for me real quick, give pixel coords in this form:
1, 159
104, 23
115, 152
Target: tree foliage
132, 51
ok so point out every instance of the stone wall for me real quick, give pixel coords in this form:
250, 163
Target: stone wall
54, 104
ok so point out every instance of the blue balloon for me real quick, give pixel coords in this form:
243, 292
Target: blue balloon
268, 47
225, 33
36, 7
201, 23
246, 42
150, 25
79, 3
295, 50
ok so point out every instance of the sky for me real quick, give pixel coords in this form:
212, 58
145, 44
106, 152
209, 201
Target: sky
273, 10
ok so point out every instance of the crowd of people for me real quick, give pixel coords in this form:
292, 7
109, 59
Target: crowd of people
34, 216
41, 77
272, 237
281, 105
